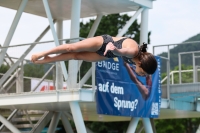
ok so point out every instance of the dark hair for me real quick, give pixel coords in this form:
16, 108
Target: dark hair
148, 61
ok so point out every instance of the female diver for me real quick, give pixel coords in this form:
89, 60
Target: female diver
101, 48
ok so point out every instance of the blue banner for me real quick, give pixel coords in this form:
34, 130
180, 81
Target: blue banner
121, 92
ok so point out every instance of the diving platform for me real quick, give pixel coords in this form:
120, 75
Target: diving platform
58, 101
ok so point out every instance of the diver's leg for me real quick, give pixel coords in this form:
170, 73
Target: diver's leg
86, 56
90, 45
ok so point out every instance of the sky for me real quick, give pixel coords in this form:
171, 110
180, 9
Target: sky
170, 21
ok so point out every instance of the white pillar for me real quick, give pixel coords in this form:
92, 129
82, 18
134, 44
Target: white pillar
73, 67
59, 74
147, 125
20, 79
74, 33
132, 125
144, 26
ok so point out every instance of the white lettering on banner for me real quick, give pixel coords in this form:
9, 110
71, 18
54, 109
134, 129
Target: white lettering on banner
113, 89
125, 104
116, 89
108, 65
104, 87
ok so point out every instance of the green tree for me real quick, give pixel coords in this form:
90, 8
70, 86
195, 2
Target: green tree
4, 68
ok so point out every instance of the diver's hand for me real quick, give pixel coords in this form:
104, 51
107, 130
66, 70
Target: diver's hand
109, 47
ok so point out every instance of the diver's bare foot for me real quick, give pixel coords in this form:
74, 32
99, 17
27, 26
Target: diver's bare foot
35, 57
46, 59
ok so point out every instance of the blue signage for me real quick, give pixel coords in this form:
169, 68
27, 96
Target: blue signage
121, 92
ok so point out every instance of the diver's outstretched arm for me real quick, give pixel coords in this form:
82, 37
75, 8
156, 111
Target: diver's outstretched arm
142, 88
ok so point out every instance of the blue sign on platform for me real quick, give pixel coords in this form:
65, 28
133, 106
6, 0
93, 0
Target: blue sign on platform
121, 92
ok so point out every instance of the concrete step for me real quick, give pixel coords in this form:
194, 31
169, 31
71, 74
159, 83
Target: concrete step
23, 126
32, 112
25, 119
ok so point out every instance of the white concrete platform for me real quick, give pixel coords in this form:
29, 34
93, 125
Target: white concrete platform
61, 9
59, 101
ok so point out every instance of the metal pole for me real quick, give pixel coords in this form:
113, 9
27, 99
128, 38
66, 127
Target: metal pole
73, 67
193, 62
168, 80
147, 125
20, 79
179, 64
196, 73
128, 24
172, 78
47, 9
11, 127
12, 29
93, 75
54, 122
59, 75
75, 26
132, 125
144, 26
66, 124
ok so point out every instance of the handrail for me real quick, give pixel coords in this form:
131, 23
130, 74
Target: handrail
172, 72
176, 43
26, 44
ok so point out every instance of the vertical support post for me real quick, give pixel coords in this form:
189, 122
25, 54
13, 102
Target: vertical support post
75, 26
12, 29
193, 63
73, 67
11, 127
54, 122
93, 74
59, 75
147, 125
144, 38
196, 74
47, 9
132, 125
179, 65
144, 26
66, 124
168, 80
20, 79
172, 78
